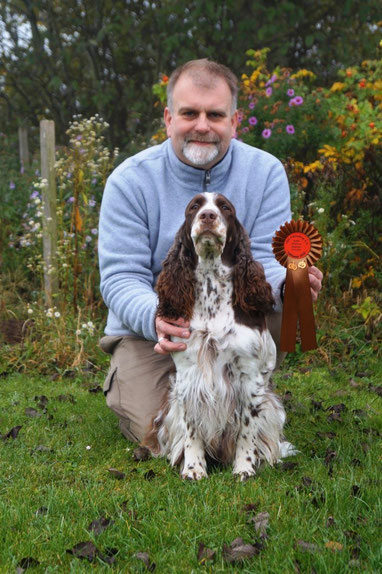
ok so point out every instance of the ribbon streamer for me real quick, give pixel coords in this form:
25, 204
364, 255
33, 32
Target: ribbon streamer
297, 245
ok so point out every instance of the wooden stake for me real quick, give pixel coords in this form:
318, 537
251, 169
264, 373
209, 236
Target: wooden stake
47, 146
23, 146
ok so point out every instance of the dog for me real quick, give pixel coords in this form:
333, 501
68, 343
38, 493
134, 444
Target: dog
220, 401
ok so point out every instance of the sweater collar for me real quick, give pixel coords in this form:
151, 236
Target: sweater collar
195, 178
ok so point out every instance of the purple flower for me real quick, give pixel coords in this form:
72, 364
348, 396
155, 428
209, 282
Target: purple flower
252, 120
34, 195
78, 138
245, 130
37, 172
251, 105
289, 129
290, 92
22, 169
70, 200
268, 92
91, 203
12, 185
266, 133
297, 101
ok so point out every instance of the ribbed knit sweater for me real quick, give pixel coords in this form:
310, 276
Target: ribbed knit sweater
143, 207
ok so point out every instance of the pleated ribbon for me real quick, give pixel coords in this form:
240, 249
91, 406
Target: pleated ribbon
297, 245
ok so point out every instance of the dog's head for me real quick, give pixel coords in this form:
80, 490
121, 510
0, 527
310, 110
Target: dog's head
210, 222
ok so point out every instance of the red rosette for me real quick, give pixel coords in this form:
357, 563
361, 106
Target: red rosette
297, 245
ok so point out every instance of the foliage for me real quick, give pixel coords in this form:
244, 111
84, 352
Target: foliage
59, 59
323, 504
65, 333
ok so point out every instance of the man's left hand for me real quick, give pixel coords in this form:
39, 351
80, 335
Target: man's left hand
315, 280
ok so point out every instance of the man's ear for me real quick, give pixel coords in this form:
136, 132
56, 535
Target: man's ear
167, 120
234, 122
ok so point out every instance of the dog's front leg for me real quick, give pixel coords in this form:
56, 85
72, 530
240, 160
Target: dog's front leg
194, 466
246, 461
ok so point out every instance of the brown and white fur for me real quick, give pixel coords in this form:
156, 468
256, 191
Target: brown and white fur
219, 401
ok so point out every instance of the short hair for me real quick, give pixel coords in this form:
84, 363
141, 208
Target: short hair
198, 70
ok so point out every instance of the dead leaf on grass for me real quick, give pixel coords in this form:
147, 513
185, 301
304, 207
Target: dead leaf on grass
307, 546
375, 389
330, 521
12, 433
260, 522
97, 389
99, 525
239, 551
42, 401
141, 453
205, 554
146, 560
84, 551
330, 455
149, 475
66, 398
116, 473
288, 465
334, 546
250, 507
25, 563
33, 413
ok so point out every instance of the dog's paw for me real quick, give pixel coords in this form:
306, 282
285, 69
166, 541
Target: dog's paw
244, 474
193, 472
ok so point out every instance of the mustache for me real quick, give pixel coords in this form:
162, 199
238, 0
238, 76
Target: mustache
204, 139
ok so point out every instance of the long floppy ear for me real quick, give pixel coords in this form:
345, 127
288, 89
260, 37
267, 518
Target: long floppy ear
176, 282
251, 292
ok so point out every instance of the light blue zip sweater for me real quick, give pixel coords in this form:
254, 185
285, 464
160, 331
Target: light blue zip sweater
143, 207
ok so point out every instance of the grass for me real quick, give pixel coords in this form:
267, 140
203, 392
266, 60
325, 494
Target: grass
55, 482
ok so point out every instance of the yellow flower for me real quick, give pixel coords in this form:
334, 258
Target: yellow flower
303, 74
337, 87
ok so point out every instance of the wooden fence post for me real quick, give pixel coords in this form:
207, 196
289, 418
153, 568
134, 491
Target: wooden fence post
47, 146
23, 146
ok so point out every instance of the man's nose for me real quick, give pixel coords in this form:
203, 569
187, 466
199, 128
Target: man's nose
202, 124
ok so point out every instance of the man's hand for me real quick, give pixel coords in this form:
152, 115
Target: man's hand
315, 280
166, 328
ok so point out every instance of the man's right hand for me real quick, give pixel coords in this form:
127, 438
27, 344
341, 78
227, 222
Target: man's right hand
167, 328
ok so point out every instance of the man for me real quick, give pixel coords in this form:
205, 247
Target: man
142, 209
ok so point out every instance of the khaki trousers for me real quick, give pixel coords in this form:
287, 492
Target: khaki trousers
138, 379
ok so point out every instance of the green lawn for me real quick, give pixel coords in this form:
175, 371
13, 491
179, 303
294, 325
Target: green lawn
324, 504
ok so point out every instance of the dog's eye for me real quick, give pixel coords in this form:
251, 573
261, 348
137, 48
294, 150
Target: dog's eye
195, 206
226, 207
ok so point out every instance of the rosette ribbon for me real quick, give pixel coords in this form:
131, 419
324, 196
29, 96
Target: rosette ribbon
297, 245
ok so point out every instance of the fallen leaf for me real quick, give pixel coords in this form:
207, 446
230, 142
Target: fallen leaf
12, 433
141, 453
84, 551
42, 448
334, 546
239, 551
288, 465
250, 507
330, 521
205, 553
330, 455
97, 389
146, 560
340, 408
260, 522
316, 405
42, 400
66, 398
376, 389
329, 434
31, 412
149, 475
117, 473
355, 490
25, 563
99, 525
307, 546
41, 511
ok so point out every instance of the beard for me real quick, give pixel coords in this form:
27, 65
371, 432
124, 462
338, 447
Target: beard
200, 155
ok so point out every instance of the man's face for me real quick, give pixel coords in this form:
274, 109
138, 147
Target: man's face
201, 124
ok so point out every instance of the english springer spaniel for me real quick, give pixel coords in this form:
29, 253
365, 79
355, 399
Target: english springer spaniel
220, 401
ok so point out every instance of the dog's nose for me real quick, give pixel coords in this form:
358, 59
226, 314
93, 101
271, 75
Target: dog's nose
208, 216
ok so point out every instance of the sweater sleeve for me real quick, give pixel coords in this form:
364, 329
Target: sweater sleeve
274, 211
125, 256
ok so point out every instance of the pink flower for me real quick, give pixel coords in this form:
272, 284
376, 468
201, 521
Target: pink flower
266, 133
290, 129
251, 105
290, 92
297, 101
268, 92
252, 120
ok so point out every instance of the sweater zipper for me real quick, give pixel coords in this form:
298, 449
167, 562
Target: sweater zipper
207, 179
